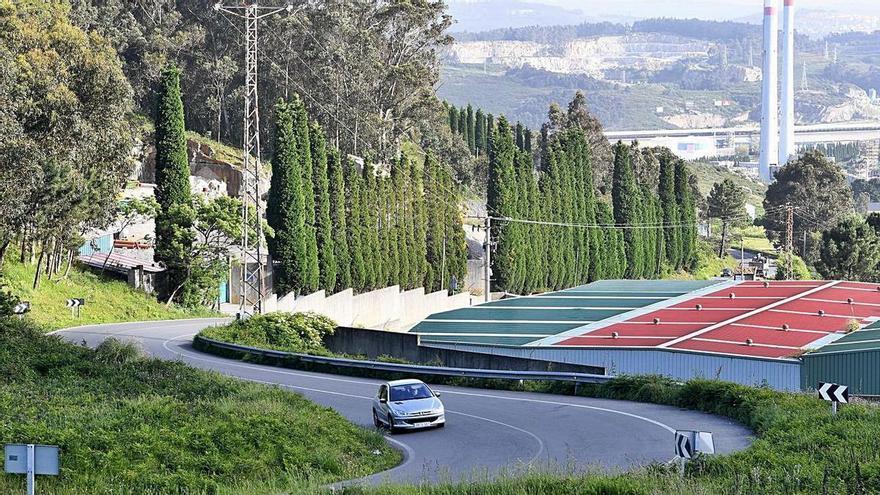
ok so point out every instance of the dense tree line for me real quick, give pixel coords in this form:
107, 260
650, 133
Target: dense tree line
65, 140
476, 129
365, 70
698, 28
553, 229
339, 224
546, 34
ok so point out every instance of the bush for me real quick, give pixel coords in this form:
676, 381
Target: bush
291, 332
7, 301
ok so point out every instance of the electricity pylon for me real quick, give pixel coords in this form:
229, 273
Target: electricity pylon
252, 286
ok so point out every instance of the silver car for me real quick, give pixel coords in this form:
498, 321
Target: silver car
407, 405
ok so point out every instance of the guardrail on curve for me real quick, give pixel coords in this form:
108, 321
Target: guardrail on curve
411, 368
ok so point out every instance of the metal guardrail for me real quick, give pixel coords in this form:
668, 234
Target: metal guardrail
415, 369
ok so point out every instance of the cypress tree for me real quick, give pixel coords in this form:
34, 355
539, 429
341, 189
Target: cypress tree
527, 140
174, 237
627, 207
462, 125
387, 239
687, 215
490, 132
669, 204
285, 210
325, 245
370, 206
436, 220
501, 202
519, 136
418, 262
471, 130
480, 132
455, 252
336, 171
355, 225
311, 269
453, 119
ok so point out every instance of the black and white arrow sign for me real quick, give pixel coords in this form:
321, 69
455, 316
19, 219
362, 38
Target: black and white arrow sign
833, 392
75, 303
21, 308
683, 446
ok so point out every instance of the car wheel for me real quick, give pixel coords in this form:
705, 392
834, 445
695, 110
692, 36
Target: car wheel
376, 422
391, 427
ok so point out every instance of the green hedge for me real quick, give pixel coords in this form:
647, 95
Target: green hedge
127, 424
289, 332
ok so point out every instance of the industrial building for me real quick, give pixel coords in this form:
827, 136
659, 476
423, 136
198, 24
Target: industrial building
788, 335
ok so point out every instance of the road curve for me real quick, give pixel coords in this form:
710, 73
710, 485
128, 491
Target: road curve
487, 432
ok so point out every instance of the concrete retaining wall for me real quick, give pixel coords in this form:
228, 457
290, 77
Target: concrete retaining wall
375, 343
386, 309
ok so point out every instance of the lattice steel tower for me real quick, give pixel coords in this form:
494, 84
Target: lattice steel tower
252, 287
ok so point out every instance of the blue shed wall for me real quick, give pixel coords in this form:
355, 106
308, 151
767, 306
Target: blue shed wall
100, 244
780, 375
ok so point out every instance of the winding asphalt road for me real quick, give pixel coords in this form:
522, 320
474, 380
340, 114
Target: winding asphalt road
488, 432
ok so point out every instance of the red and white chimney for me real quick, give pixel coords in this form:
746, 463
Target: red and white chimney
769, 92
786, 131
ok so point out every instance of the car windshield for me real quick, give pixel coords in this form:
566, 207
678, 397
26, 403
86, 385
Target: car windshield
410, 392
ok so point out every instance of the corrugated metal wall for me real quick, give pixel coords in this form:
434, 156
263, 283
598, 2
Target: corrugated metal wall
858, 370
100, 244
780, 375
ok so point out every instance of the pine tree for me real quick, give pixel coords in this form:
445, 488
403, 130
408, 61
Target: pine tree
480, 132
471, 130
174, 237
325, 246
519, 137
285, 211
626, 202
338, 218
311, 269
355, 223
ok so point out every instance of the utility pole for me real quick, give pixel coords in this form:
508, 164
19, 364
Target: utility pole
789, 237
252, 287
488, 268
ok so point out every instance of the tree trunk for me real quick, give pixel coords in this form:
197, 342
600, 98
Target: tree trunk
69, 261
723, 239
37, 271
21, 252
3, 249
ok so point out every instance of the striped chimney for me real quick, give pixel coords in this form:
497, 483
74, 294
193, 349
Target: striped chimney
786, 131
769, 92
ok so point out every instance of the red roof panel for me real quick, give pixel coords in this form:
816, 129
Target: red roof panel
737, 349
609, 342
690, 315
739, 334
738, 303
795, 321
650, 330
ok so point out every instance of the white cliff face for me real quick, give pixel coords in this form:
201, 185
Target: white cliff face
589, 56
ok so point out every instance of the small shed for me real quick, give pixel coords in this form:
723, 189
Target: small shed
852, 360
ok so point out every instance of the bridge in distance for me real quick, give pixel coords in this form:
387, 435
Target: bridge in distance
719, 141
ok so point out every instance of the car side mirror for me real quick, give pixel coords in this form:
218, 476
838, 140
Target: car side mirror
436, 394
383, 400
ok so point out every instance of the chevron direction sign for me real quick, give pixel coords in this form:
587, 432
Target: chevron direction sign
689, 443
833, 392
21, 308
75, 303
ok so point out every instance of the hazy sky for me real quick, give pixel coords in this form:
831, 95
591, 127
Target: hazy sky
704, 9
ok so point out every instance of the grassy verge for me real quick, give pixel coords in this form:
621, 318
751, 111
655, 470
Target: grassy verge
108, 300
127, 424
801, 448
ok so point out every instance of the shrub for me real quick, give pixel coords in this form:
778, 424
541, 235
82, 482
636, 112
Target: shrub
291, 332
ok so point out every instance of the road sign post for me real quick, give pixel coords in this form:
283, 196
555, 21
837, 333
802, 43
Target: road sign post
75, 305
31, 460
835, 394
689, 443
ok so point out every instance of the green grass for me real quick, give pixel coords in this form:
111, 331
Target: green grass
127, 424
108, 300
800, 449
709, 265
707, 175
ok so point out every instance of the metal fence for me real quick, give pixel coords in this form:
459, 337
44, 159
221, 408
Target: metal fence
414, 369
